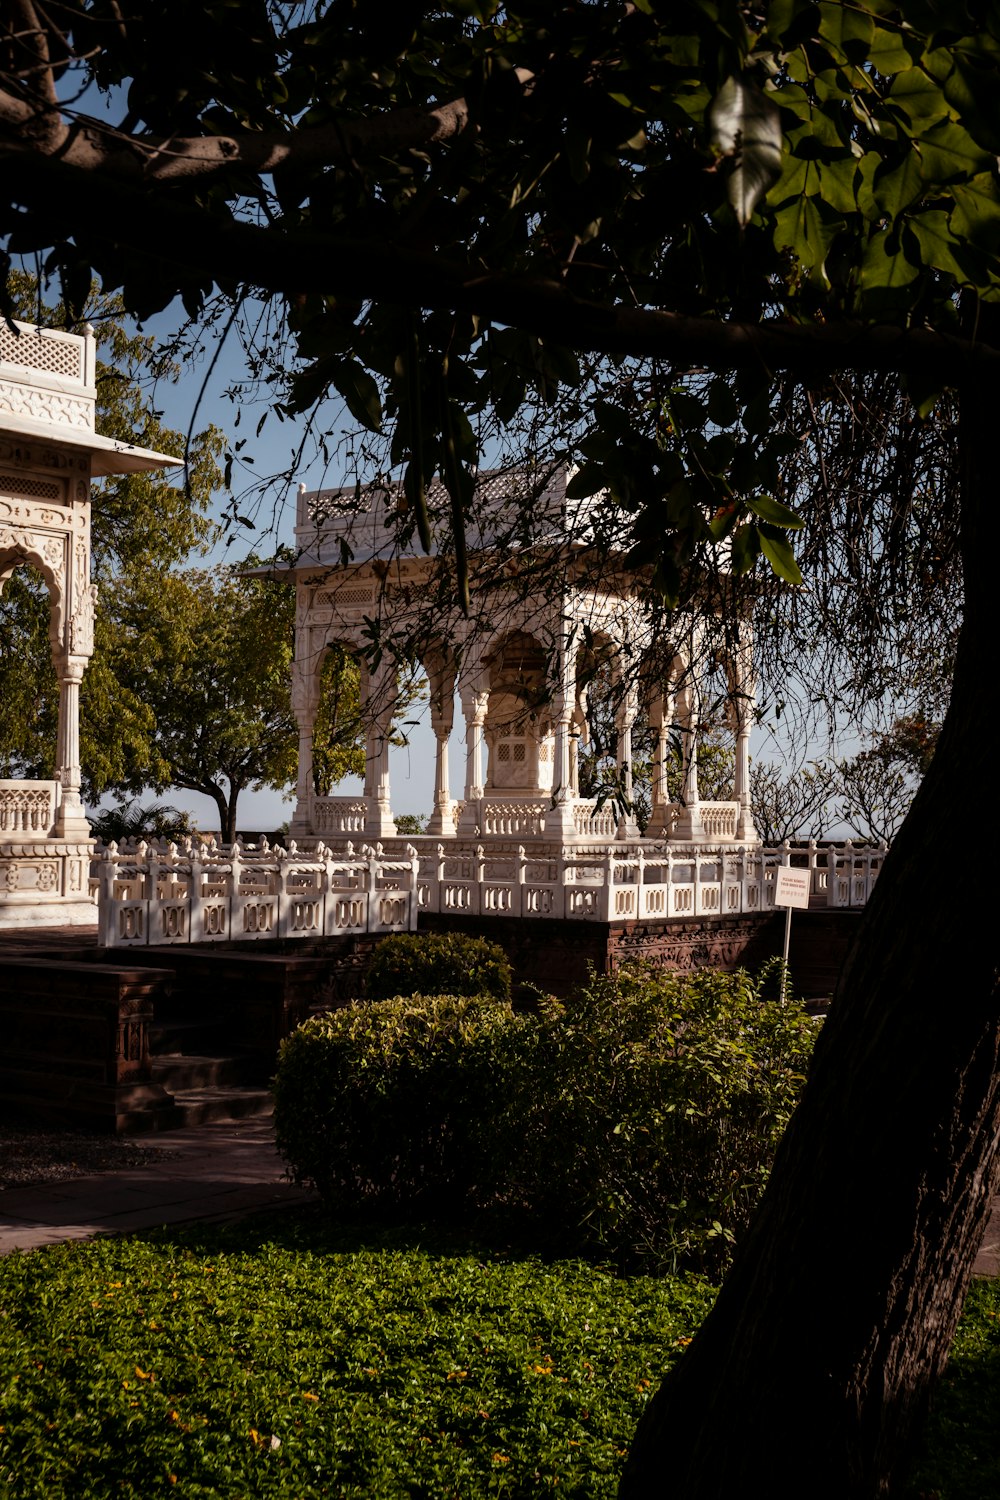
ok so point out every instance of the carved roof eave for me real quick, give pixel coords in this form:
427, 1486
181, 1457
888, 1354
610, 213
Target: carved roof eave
107, 455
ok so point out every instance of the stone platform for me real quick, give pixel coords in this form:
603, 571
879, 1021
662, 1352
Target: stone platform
122, 1040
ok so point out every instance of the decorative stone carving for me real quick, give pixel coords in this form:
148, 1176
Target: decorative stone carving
47, 406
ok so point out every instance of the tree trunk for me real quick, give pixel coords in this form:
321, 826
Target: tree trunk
812, 1373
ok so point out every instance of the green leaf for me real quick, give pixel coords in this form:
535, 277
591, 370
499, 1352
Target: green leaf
769, 509
745, 124
949, 151
838, 184
919, 97
938, 243
976, 215
897, 186
744, 549
777, 549
848, 28
890, 52
802, 228
971, 88
723, 407
360, 393
884, 267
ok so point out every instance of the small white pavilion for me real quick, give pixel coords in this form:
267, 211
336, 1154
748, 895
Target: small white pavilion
518, 665
49, 453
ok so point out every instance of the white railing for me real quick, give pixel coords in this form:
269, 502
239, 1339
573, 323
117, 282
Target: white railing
719, 819
593, 822
27, 809
527, 817
159, 893
340, 815
632, 883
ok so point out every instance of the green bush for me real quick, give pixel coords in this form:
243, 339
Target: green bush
639, 1119
653, 1108
382, 1104
444, 963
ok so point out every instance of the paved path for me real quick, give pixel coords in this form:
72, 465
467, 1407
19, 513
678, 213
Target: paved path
217, 1171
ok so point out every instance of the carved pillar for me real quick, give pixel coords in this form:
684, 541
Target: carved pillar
625, 717
309, 648
70, 663
475, 702
560, 818
71, 821
305, 702
661, 815
441, 670
381, 705
688, 825
742, 702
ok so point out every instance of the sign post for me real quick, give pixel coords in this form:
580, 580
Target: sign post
791, 889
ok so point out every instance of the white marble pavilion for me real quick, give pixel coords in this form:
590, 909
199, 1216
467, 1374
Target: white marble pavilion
518, 667
49, 453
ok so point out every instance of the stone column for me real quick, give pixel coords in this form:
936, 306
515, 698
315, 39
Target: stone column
625, 717
441, 672
742, 702
475, 703
305, 701
688, 825
381, 703
661, 815
71, 821
560, 818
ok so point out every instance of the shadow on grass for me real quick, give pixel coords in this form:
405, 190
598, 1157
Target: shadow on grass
313, 1228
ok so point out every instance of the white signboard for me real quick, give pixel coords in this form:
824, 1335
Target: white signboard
792, 887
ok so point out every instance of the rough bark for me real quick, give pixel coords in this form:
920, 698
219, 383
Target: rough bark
813, 1372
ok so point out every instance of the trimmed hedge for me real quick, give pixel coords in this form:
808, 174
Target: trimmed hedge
639, 1119
382, 1104
444, 963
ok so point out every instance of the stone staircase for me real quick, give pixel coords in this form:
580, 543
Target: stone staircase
191, 1062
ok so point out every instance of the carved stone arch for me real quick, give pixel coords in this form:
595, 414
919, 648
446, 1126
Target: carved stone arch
24, 547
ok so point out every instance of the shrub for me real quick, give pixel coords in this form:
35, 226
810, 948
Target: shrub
655, 1103
639, 1119
383, 1104
445, 963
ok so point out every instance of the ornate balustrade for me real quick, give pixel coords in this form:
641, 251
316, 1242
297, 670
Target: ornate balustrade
160, 893
343, 816
719, 819
633, 883
27, 810
527, 817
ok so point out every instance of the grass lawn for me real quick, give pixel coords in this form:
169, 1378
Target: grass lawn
282, 1358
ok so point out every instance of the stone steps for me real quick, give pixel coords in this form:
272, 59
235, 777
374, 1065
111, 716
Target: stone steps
183, 1071
205, 1081
198, 1106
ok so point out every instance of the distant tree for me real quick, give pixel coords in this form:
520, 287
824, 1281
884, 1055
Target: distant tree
789, 805
338, 738
214, 674
131, 820
407, 823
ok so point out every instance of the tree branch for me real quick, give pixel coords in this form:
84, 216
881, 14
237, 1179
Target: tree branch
181, 242
92, 146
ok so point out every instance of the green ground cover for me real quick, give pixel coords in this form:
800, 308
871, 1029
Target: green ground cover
288, 1360
285, 1359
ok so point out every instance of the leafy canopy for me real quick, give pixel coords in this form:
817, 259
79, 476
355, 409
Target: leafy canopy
453, 205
